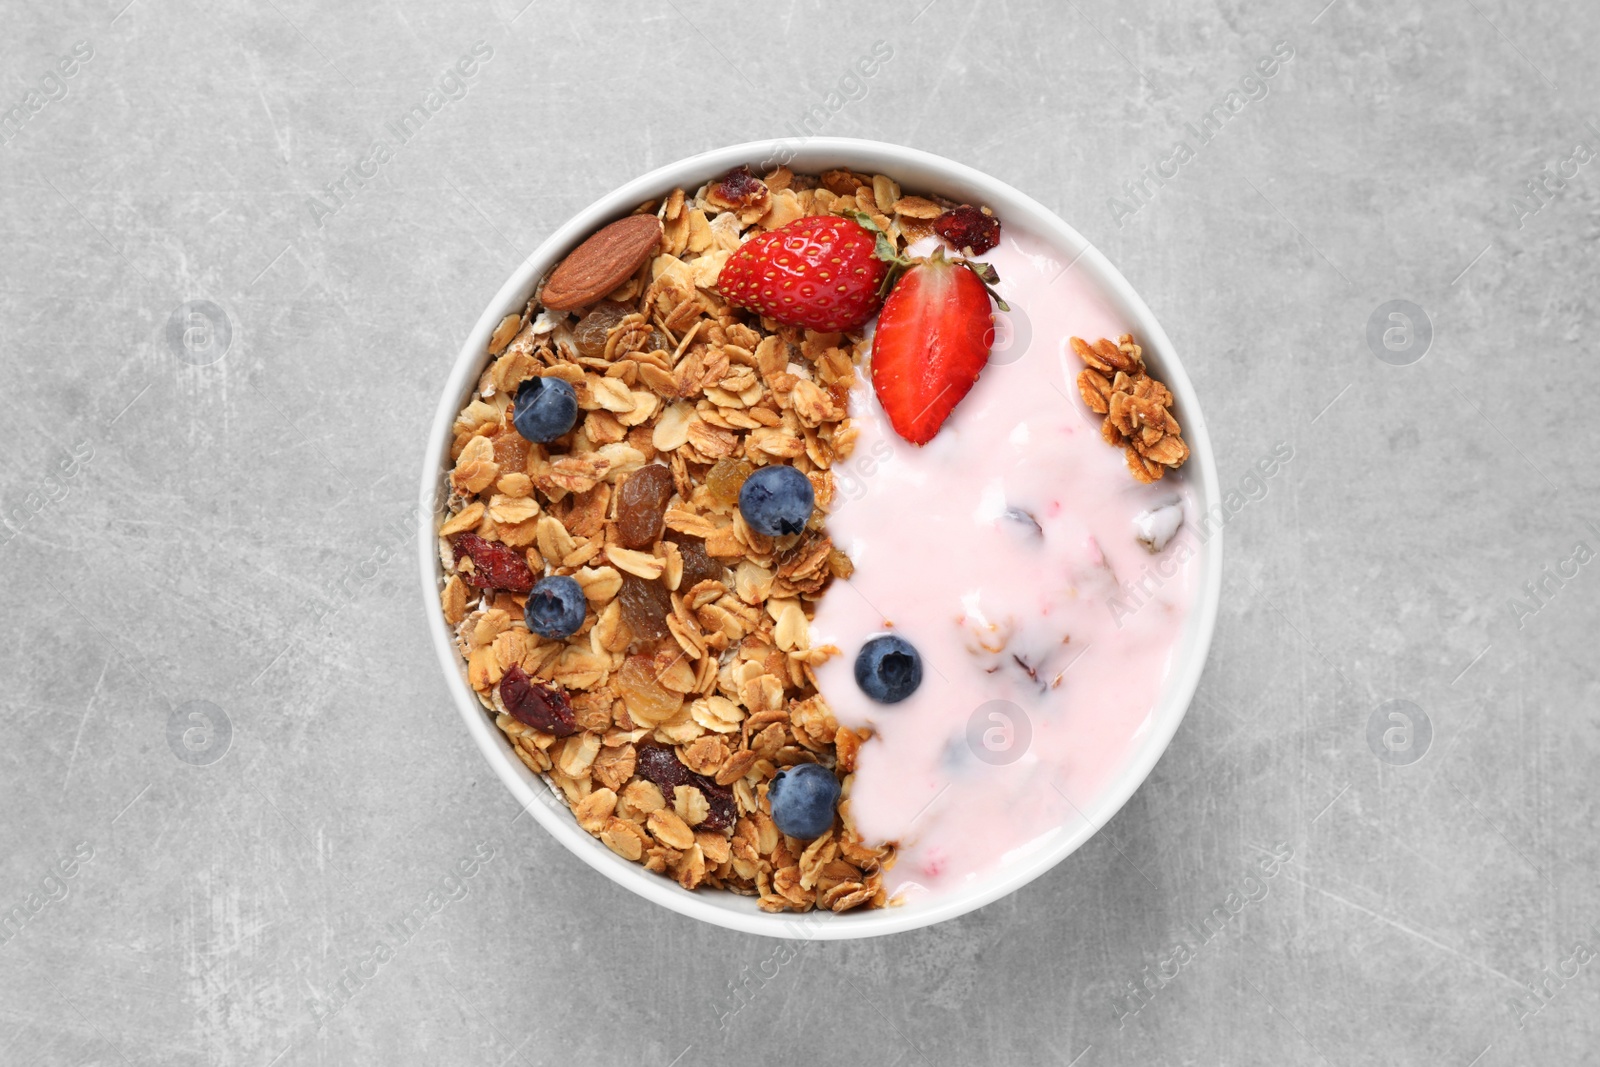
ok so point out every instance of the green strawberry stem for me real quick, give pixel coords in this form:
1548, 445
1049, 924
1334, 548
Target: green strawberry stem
884, 249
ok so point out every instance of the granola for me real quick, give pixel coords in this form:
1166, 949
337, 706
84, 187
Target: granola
1137, 408
690, 685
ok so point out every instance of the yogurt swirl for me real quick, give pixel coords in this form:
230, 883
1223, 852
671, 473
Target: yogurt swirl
1005, 551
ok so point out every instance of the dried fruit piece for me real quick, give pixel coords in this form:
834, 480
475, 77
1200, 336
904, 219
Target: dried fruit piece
494, 565
539, 706
590, 333
723, 810
641, 504
660, 764
726, 478
649, 703
602, 263
968, 229
697, 565
645, 607
738, 190
511, 452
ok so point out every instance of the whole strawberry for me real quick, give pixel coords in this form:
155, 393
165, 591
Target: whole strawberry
932, 341
822, 273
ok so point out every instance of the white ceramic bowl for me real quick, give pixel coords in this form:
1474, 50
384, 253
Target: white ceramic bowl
915, 171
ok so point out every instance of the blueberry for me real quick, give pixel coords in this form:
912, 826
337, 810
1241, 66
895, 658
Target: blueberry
545, 409
777, 500
556, 607
803, 800
888, 669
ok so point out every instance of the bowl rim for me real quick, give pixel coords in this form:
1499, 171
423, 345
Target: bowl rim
731, 911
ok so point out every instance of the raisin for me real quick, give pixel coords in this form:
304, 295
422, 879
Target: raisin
697, 565
645, 607
590, 333
539, 706
511, 452
649, 703
659, 342
641, 503
659, 764
726, 478
966, 227
723, 810
495, 566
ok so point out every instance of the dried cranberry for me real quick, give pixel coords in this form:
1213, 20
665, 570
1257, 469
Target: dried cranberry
740, 188
659, 764
495, 566
966, 227
539, 706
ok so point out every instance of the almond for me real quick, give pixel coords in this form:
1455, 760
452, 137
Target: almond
601, 263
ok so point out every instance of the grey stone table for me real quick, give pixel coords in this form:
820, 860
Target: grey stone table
228, 766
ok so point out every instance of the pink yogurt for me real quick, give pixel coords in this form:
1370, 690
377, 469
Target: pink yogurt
1006, 551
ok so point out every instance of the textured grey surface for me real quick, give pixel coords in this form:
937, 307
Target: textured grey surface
235, 533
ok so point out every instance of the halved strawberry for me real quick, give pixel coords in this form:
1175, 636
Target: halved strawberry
822, 273
932, 341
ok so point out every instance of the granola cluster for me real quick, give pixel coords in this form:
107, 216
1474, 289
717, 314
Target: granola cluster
1138, 409
690, 684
